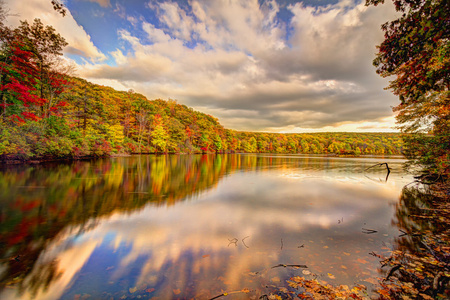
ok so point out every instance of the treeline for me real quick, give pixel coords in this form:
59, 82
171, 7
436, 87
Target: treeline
94, 120
100, 121
46, 113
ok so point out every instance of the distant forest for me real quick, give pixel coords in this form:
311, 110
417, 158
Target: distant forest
90, 120
47, 114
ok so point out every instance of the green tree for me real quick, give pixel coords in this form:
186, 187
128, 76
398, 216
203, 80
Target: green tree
416, 51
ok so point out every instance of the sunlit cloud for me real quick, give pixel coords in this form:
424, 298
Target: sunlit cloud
308, 72
80, 43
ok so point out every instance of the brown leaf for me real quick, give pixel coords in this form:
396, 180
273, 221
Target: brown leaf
176, 291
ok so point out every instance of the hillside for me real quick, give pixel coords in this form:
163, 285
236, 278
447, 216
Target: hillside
89, 120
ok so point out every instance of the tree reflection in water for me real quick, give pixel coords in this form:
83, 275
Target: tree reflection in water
419, 266
47, 210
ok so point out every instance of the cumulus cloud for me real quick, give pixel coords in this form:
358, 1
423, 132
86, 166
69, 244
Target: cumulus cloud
80, 42
308, 71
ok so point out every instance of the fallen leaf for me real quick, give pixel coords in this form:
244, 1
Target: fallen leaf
275, 279
176, 291
206, 255
132, 290
331, 276
150, 290
362, 261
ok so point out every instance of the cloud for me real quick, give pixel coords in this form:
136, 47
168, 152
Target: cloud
311, 70
80, 42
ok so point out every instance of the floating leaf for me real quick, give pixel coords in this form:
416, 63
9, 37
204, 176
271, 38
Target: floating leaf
306, 272
176, 291
150, 290
362, 261
331, 276
132, 290
206, 255
275, 279
371, 280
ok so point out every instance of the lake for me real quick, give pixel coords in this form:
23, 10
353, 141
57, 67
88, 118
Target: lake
194, 226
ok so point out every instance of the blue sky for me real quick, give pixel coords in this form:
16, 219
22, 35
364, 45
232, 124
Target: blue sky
278, 65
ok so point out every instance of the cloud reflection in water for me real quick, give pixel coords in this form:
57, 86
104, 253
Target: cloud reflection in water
290, 216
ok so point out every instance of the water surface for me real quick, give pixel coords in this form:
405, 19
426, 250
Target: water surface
179, 227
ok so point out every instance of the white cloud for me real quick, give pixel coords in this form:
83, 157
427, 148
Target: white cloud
225, 56
80, 42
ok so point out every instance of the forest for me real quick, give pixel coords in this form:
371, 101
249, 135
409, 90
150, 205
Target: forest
89, 120
47, 114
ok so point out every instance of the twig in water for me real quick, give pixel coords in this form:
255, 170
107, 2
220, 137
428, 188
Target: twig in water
244, 242
302, 246
410, 234
281, 244
368, 231
228, 293
376, 255
233, 241
292, 266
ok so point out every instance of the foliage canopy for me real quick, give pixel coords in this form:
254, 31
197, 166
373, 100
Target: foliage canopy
416, 52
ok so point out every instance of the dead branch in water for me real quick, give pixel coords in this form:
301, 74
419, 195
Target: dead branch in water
379, 165
292, 266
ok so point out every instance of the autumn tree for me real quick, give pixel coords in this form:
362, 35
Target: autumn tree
159, 135
416, 53
46, 47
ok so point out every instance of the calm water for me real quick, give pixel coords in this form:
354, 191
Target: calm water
178, 227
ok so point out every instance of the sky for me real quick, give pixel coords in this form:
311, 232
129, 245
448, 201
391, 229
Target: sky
256, 65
